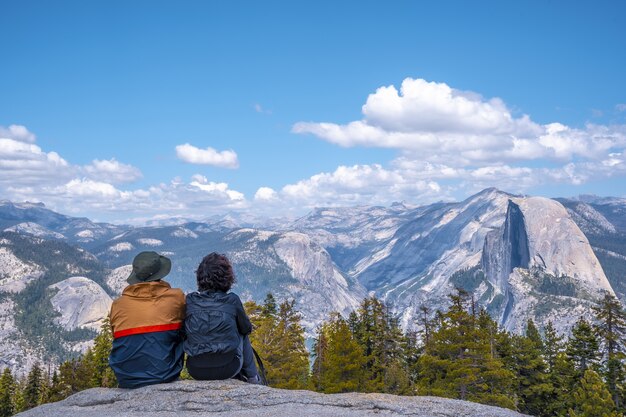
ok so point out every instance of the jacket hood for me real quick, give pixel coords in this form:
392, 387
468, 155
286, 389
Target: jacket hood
146, 289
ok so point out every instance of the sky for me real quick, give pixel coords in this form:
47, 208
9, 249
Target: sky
131, 111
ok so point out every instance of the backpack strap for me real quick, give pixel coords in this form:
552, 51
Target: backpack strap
261, 367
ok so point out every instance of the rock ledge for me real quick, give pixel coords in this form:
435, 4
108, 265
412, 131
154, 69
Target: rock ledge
237, 399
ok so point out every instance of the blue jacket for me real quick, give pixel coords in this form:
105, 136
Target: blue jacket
215, 321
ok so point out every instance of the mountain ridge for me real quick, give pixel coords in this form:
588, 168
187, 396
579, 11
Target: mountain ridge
522, 257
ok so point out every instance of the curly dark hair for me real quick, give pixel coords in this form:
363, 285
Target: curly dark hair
215, 273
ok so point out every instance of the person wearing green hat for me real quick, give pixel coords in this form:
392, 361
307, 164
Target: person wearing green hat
147, 322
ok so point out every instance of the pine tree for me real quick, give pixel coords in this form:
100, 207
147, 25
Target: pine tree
7, 393
55, 391
320, 350
583, 347
33, 389
562, 377
533, 386
611, 328
552, 345
278, 337
339, 360
381, 339
264, 337
103, 375
592, 398
269, 305
461, 362
290, 364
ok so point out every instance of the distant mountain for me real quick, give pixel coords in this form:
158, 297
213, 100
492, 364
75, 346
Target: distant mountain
520, 257
35, 219
603, 220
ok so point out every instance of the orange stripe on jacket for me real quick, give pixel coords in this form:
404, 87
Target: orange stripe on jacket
148, 329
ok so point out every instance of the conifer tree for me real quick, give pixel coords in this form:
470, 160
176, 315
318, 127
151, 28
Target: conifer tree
552, 345
269, 305
339, 360
103, 375
611, 328
33, 389
320, 350
583, 347
533, 386
381, 339
562, 378
18, 399
592, 398
290, 363
55, 390
264, 337
460, 361
7, 393
278, 337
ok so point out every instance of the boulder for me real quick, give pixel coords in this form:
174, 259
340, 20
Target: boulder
237, 399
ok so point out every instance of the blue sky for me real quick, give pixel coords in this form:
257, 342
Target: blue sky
95, 98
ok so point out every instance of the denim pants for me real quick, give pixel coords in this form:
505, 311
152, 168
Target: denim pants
212, 366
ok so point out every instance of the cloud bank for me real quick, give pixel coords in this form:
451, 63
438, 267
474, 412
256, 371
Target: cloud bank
467, 141
449, 143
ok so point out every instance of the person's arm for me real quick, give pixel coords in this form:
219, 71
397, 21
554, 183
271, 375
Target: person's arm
243, 322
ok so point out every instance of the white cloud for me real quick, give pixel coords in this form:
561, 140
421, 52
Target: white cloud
29, 173
112, 171
26, 164
360, 184
620, 107
201, 182
209, 156
436, 123
18, 133
265, 194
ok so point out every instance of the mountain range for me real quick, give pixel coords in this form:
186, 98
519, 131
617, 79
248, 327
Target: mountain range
520, 256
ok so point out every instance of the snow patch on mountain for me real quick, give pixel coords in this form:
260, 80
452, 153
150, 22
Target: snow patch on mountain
121, 247
182, 232
34, 229
150, 242
85, 234
81, 303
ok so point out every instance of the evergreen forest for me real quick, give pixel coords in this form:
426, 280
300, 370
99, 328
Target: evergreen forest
459, 353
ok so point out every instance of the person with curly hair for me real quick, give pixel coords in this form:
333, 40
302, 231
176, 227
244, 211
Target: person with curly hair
217, 327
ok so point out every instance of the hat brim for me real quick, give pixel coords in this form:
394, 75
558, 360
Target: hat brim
165, 268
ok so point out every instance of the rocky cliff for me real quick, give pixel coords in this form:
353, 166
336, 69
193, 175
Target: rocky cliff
237, 399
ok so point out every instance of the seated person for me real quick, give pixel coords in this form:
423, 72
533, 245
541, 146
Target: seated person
217, 327
147, 322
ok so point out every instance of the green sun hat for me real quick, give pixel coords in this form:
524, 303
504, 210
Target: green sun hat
149, 266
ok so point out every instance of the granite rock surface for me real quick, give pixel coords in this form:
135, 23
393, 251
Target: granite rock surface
237, 399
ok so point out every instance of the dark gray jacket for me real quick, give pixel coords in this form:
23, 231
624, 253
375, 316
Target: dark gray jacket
214, 323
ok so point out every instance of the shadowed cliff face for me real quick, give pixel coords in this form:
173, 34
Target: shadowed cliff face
237, 399
516, 238
506, 248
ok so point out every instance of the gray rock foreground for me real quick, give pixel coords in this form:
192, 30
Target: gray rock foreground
236, 399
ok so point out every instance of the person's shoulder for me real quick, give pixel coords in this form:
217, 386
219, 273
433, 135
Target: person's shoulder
176, 292
233, 298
